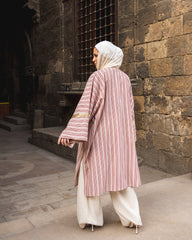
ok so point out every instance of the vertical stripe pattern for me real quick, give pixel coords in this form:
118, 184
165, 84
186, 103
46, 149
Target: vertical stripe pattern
108, 133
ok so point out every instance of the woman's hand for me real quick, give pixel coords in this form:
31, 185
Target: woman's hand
65, 142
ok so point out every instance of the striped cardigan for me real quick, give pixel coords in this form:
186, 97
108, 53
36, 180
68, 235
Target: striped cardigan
104, 121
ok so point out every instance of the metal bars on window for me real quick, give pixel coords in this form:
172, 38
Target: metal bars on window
96, 22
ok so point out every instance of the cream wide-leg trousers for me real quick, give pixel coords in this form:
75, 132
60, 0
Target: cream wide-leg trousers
89, 209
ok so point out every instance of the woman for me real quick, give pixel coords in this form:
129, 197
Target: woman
103, 124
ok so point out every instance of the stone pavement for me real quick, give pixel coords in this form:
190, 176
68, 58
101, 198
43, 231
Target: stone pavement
38, 200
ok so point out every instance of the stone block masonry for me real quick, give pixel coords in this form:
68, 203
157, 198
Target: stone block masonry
51, 62
162, 65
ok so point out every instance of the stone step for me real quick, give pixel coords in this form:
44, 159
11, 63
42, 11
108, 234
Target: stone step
13, 127
47, 138
15, 120
19, 114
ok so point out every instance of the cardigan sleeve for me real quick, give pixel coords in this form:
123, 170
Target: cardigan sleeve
78, 126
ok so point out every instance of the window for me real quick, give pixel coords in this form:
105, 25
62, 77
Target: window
95, 21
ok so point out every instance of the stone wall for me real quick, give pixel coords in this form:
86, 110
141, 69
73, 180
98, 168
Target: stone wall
48, 65
52, 44
156, 37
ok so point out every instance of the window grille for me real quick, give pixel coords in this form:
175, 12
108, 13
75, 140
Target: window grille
96, 22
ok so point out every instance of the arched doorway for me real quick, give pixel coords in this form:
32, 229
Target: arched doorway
16, 76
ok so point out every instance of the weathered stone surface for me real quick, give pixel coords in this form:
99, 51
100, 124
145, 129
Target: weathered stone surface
140, 52
172, 27
187, 21
182, 103
190, 43
38, 119
157, 50
56, 67
188, 64
161, 141
163, 53
126, 17
169, 124
140, 32
144, 4
177, 65
181, 146
142, 70
152, 13
125, 7
154, 32
161, 67
67, 34
68, 24
178, 46
126, 22
141, 138
163, 9
50, 120
180, 7
147, 15
185, 106
139, 102
175, 163
137, 88
153, 86
126, 39
128, 55
140, 120
158, 104
151, 156
178, 86
130, 69
187, 112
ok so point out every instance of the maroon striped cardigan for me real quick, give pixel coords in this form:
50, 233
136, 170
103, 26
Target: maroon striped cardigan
104, 121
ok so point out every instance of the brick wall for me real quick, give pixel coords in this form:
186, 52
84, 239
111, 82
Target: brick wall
158, 53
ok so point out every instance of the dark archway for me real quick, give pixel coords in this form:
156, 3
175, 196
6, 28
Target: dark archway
16, 77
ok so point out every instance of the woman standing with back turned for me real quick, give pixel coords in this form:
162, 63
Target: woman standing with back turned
104, 126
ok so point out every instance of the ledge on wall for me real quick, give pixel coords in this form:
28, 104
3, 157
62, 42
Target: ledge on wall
69, 90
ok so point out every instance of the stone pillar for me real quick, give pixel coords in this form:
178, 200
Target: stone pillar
38, 118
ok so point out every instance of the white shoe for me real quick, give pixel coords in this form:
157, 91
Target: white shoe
132, 225
84, 225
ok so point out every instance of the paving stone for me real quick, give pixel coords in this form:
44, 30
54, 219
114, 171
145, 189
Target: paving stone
163, 211
46, 199
17, 214
24, 236
39, 220
2, 219
14, 227
60, 204
15, 188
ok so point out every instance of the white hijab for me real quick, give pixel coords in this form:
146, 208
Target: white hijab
109, 55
